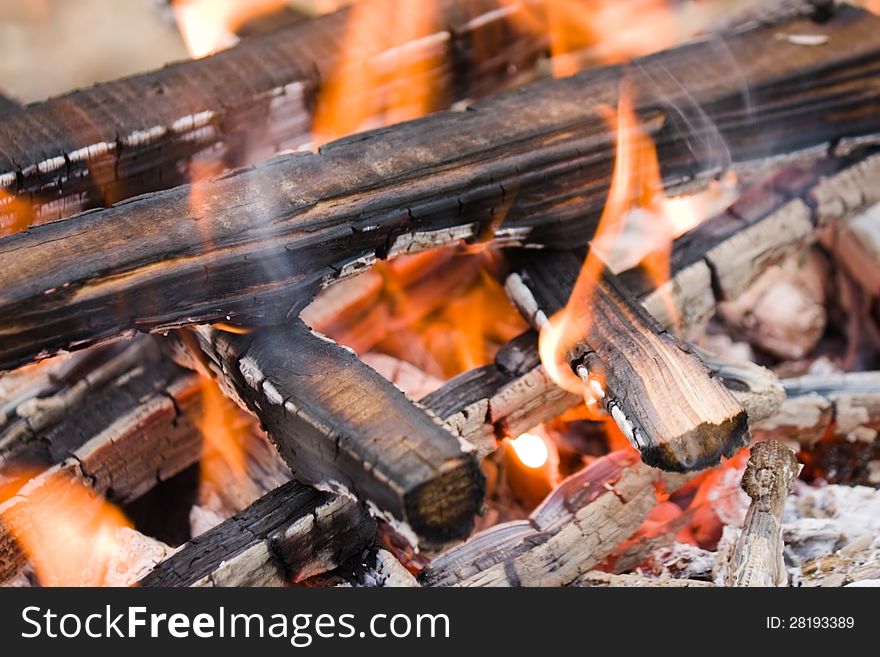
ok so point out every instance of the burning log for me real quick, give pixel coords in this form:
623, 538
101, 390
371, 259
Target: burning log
342, 426
293, 533
756, 557
118, 420
658, 391
386, 192
96, 147
570, 533
845, 406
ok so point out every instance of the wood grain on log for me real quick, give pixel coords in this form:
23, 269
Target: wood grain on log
290, 534
98, 146
573, 530
856, 246
756, 557
596, 578
663, 397
341, 426
845, 406
257, 244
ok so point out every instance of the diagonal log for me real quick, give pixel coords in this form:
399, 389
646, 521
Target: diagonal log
663, 397
341, 426
288, 535
531, 166
98, 146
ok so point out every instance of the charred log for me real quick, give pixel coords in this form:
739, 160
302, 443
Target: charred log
340, 425
293, 533
257, 247
660, 393
96, 147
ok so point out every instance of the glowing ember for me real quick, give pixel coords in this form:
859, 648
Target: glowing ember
531, 450
68, 532
15, 214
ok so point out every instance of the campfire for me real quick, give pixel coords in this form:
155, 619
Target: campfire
450, 293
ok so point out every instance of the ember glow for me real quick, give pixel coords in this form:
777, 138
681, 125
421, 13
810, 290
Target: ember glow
69, 532
224, 429
15, 214
531, 450
383, 75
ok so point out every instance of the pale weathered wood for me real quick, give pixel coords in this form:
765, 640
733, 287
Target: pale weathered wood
341, 426
596, 578
846, 406
656, 388
293, 533
576, 526
756, 557
257, 244
856, 246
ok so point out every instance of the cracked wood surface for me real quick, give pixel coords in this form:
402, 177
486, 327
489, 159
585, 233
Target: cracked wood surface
341, 426
257, 244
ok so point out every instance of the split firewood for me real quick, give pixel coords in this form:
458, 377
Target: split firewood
98, 146
846, 406
377, 568
341, 426
569, 534
293, 533
856, 246
756, 557
262, 257
596, 578
783, 312
662, 396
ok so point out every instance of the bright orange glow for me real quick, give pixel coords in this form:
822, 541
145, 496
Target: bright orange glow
224, 428
68, 532
636, 185
208, 26
583, 32
531, 450
873, 6
232, 328
15, 214
386, 71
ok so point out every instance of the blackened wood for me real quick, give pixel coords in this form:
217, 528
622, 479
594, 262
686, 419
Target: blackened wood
572, 531
341, 426
290, 534
257, 244
117, 422
7, 105
95, 147
663, 397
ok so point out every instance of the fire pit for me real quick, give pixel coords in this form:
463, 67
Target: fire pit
453, 293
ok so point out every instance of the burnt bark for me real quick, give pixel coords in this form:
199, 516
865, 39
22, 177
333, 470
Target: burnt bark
526, 167
290, 534
341, 426
96, 147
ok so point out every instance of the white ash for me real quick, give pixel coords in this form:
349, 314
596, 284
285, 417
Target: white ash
820, 521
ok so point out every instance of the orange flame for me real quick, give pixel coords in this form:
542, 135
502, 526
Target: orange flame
583, 32
15, 214
69, 532
208, 26
224, 427
383, 75
636, 184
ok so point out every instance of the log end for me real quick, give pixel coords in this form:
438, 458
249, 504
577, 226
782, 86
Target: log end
443, 508
700, 448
